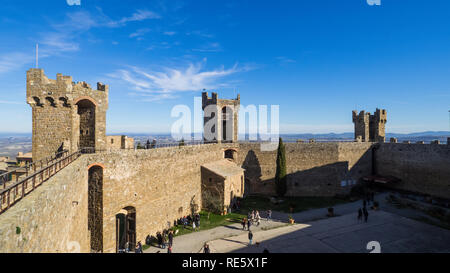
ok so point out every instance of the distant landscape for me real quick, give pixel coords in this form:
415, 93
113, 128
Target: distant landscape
12, 143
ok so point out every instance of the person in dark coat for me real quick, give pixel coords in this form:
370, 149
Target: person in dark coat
138, 248
160, 239
250, 237
249, 223
244, 223
366, 214
170, 238
360, 214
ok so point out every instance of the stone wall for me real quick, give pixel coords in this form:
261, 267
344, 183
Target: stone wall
52, 218
423, 168
314, 169
159, 183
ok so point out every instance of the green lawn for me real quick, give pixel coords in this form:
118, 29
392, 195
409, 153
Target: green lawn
299, 204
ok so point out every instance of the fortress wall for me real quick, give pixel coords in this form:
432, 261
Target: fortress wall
423, 168
314, 169
159, 183
51, 216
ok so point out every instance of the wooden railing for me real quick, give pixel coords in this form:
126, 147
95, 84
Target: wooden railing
35, 174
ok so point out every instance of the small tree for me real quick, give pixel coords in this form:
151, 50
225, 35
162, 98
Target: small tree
280, 175
139, 146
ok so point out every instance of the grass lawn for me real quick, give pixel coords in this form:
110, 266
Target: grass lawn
299, 204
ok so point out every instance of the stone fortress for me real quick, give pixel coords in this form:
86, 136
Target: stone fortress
110, 193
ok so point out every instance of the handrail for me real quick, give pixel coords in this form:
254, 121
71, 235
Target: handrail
14, 192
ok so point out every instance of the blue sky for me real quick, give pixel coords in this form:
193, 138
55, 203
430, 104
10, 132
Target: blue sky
318, 60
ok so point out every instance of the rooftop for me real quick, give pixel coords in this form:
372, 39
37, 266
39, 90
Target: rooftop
224, 168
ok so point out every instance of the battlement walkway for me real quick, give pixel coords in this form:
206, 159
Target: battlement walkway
35, 174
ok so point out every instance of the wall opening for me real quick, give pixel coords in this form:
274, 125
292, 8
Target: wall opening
126, 229
230, 154
95, 208
86, 111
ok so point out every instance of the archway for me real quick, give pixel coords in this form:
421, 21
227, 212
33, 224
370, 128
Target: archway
126, 229
86, 112
227, 124
95, 208
230, 154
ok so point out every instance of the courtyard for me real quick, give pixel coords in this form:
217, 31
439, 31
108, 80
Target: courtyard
396, 231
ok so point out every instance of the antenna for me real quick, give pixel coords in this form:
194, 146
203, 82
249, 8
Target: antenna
37, 55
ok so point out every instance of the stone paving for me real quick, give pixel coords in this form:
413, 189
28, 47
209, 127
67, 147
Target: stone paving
317, 233
343, 234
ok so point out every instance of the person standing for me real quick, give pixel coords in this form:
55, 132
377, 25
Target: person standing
139, 248
160, 240
250, 237
249, 223
366, 214
269, 214
206, 248
360, 214
244, 223
170, 238
169, 249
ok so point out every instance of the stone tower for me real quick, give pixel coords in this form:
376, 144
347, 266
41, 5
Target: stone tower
377, 126
370, 127
66, 115
220, 118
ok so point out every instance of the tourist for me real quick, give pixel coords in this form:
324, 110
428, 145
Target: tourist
170, 238
185, 222
169, 249
127, 247
250, 237
366, 214
139, 248
164, 240
249, 223
206, 248
160, 240
244, 223
193, 225
360, 213
269, 214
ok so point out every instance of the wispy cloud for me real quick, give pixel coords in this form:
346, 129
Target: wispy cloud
209, 47
139, 32
170, 33
165, 84
15, 60
285, 60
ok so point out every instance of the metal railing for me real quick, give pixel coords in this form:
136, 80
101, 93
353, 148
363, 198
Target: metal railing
36, 174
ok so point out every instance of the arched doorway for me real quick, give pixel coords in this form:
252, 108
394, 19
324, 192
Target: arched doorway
227, 124
126, 229
95, 208
230, 154
86, 112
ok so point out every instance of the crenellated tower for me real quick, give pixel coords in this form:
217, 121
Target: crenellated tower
370, 128
66, 115
220, 118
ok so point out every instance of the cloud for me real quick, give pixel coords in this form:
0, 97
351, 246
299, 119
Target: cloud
285, 60
165, 84
15, 60
140, 15
139, 32
210, 47
170, 33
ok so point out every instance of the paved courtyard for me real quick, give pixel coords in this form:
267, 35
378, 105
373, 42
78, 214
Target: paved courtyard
343, 234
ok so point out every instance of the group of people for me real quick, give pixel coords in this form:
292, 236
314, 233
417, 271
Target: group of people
193, 221
165, 239
370, 197
128, 248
